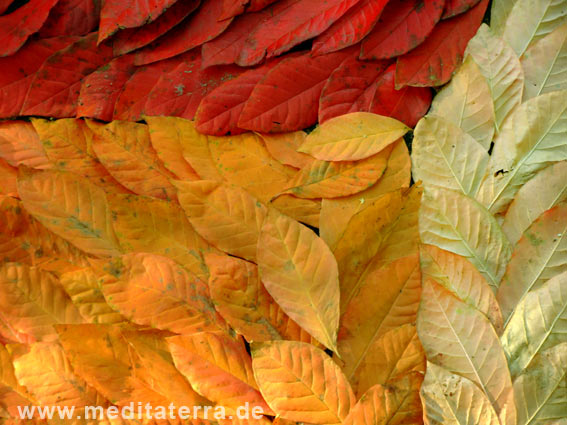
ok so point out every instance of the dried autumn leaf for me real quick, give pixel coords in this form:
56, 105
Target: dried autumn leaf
72, 208
283, 147
152, 290
301, 383
458, 275
68, 145
352, 27
394, 354
194, 31
538, 323
445, 156
243, 160
541, 389
433, 62
242, 300
125, 150
20, 145
286, 99
529, 21
13, 394
336, 213
396, 403
529, 140
45, 371
544, 64
82, 286
452, 399
352, 137
91, 348
459, 338
290, 23
466, 102
218, 368
16, 27
213, 207
538, 195
501, 67
32, 302
402, 26
71, 17
300, 273
537, 257
181, 136
457, 223
324, 179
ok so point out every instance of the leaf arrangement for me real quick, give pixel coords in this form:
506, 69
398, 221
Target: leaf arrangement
299, 272
260, 65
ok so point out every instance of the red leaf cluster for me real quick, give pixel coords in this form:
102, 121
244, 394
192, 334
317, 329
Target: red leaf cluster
261, 65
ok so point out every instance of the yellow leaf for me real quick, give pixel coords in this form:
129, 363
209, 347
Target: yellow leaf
83, 288
179, 135
47, 374
12, 394
144, 224
394, 404
218, 368
72, 208
303, 210
353, 136
155, 291
244, 161
336, 213
242, 300
227, 217
32, 301
395, 353
283, 147
20, 145
68, 145
301, 383
125, 150
300, 273
324, 179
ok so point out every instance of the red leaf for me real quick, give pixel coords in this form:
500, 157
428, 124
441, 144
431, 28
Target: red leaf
408, 104
134, 38
55, 88
219, 111
404, 24
226, 47
72, 17
434, 61
18, 71
4, 5
132, 99
351, 28
256, 5
456, 7
100, 89
287, 98
194, 31
232, 8
120, 14
16, 27
350, 88
179, 91
290, 23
